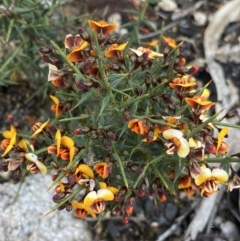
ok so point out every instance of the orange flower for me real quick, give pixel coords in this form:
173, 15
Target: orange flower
56, 76
97, 199
115, 50
171, 42
83, 171
38, 128
185, 183
64, 147
101, 27
208, 180
138, 126
76, 45
72, 42
103, 185
82, 210
37, 164
185, 82
56, 107
151, 54
103, 169
10, 136
177, 142
199, 103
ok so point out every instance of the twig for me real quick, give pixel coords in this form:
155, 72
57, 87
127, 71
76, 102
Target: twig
178, 221
202, 217
233, 211
215, 208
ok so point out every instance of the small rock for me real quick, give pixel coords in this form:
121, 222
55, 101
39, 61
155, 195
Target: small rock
230, 231
167, 5
200, 18
170, 211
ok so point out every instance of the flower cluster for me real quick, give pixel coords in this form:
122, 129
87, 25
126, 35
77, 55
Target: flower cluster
127, 123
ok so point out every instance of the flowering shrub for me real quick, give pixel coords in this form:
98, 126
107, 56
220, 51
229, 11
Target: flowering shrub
130, 122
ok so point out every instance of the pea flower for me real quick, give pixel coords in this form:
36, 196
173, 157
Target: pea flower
56, 76
151, 54
177, 142
103, 185
8, 143
115, 50
83, 171
82, 210
185, 183
64, 147
101, 27
103, 168
97, 199
208, 180
75, 44
34, 159
199, 103
185, 82
38, 128
56, 107
138, 126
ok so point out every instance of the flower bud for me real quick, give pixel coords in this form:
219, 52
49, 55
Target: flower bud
111, 136
210, 148
45, 50
106, 143
58, 197
193, 70
82, 86
125, 218
69, 207
71, 179
148, 80
81, 131
126, 115
55, 176
129, 208
67, 107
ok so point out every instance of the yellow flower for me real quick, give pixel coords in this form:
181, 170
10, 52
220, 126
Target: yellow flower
56, 76
82, 210
185, 82
171, 42
177, 142
66, 142
101, 27
151, 54
83, 171
10, 135
221, 135
199, 103
39, 128
185, 183
56, 107
97, 199
138, 126
34, 159
208, 180
103, 169
103, 185
115, 50
76, 45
